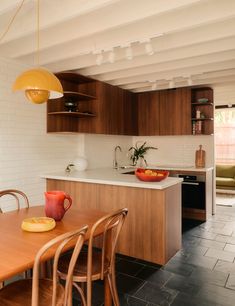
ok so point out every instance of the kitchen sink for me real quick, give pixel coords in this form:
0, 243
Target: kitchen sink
129, 172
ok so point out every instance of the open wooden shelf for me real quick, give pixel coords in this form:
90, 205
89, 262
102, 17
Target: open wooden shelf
202, 103
201, 119
73, 77
79, 90
78, 95
72, 114
205, 108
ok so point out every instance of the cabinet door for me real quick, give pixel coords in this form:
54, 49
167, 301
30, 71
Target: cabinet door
130, 113
115, 111
148, 113
175, 112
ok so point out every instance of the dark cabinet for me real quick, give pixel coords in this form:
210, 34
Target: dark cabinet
101, 108
175, 112
166, 112
148, 113
106, 109
116, 111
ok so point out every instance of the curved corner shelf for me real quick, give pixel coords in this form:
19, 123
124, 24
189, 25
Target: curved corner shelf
78, 95
70, 76
72, 114
202, 103
202, 119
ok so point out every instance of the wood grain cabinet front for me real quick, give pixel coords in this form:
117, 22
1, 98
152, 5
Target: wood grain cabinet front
175, 112
95, 107
165, 112
91, 106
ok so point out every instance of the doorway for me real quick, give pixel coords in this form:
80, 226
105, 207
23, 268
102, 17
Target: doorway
225, 155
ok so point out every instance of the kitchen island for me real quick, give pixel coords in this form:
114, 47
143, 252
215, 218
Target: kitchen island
152, 231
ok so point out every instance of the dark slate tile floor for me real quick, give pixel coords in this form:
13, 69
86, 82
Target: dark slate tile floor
201, 273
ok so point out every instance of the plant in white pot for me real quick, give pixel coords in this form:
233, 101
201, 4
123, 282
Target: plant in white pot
138, 153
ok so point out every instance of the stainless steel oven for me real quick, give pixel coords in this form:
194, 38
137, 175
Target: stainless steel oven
193, 191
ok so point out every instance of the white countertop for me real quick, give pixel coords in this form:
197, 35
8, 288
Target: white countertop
180, 168
111, 176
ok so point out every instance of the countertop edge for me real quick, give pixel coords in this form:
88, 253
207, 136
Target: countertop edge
135, 184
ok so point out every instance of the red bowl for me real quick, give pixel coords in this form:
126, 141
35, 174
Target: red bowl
150, 175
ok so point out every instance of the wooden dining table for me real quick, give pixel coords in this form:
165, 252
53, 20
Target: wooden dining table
18, 248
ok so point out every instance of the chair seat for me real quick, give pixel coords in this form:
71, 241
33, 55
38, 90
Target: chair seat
19, 293
80, 270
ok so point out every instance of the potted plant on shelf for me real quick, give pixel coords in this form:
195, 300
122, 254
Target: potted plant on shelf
138, 152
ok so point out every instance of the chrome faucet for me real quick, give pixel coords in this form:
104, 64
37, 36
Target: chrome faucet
69, 168
115, 163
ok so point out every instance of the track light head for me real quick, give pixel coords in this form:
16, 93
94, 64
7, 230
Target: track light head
111, 57
149, 48
99, 58
129, 53
171, 84
190, 81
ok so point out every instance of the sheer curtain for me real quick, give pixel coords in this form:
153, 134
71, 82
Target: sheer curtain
225, 136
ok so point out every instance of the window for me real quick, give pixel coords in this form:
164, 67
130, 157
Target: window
225, 135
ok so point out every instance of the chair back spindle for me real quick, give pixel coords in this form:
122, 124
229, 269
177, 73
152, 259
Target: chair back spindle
16, 194
61, 241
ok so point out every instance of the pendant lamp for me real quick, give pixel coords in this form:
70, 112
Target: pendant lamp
39, 84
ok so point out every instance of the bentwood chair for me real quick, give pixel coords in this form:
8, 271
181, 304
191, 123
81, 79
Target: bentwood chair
95, 264
17, 194
46, 292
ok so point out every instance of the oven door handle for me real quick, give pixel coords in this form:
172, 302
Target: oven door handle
190, 183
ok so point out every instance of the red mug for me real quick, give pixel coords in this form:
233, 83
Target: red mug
54, 204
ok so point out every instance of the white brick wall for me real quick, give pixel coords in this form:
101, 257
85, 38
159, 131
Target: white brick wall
178, 150
26, 150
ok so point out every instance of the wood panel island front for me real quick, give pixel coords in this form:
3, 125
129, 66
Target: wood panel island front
152, 231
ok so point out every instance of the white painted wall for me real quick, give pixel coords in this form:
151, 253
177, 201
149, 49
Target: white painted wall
26, 150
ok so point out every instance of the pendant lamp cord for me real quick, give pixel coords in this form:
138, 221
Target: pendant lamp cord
11, 21
38, 32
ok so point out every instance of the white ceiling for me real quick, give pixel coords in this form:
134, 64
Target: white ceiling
193, 40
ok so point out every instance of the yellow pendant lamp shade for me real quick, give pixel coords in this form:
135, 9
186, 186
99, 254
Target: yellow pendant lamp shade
39, 85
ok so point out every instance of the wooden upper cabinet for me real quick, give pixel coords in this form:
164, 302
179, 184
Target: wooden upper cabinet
175, 112
148, 113
78, 90
115, 112
101, 108
165, 112
106, 109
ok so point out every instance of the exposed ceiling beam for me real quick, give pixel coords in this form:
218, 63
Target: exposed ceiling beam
203, 12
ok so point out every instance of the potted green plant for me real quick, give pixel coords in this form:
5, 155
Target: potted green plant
138, 152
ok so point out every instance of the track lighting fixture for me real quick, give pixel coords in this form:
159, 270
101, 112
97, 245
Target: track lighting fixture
111, 57
171, 84
190, 81
99, 58
154, 86
129, 53
149, 48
